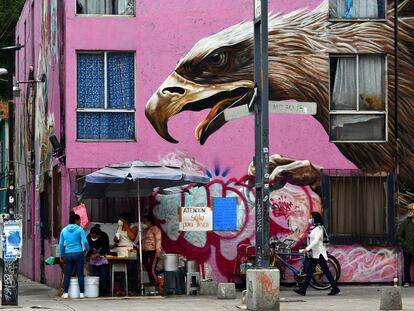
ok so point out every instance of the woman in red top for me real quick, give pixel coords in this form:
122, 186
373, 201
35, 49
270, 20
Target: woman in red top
151, 246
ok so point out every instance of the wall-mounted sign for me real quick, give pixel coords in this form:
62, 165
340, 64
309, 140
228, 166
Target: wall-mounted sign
12, 235
225, 214
195, 218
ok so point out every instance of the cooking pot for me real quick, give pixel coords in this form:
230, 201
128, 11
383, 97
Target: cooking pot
170, 262
191, 266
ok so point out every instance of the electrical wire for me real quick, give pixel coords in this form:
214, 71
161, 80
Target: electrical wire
15, 14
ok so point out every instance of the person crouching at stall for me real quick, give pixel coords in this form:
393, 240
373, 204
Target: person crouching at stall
70, 246
151, 246
98, 264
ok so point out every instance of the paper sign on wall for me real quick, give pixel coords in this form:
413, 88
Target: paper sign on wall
225, 214
12, 238
195, 218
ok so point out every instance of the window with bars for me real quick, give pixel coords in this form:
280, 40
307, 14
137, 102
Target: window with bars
358, 208
105, 96
357, 9
358, 110
105, 7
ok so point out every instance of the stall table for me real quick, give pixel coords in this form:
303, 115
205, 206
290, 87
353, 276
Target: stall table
119, 264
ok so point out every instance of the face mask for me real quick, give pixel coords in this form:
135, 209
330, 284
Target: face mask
144, 226
94, 239
120, 223
311, 222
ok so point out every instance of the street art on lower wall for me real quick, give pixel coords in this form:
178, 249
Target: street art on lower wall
305, 49
218, 253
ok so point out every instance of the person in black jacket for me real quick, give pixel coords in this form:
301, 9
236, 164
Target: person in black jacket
406, 241
98, 264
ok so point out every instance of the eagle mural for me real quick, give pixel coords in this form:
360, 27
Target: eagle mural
218, 73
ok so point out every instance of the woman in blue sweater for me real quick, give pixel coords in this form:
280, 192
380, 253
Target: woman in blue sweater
70, 246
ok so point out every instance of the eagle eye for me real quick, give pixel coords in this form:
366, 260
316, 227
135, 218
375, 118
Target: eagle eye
218, 58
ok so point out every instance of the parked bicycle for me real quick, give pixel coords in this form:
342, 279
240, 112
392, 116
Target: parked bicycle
281, 254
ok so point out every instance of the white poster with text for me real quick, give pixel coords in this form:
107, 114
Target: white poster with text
195, 218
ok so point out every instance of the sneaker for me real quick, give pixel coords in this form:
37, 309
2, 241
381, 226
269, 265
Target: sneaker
65, 296
406, 285
300, 291
81, 296
334, 291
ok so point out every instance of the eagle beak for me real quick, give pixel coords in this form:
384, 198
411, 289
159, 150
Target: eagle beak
178, 94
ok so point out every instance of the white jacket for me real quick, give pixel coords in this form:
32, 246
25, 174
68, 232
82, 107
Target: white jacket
316, 243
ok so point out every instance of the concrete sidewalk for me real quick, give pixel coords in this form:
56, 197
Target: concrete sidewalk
37, 296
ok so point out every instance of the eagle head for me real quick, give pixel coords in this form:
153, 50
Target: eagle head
217, 73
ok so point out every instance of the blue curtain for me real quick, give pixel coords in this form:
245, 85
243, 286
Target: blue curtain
120, 95
91, 81
121, 81
106, 125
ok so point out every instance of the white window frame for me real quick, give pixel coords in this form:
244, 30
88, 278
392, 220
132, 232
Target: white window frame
375, 19
105, 109
357, 111
108, 15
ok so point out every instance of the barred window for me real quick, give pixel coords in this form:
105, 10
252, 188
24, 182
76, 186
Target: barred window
357, 207
105, 96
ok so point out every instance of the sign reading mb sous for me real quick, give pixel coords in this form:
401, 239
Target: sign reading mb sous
195, 218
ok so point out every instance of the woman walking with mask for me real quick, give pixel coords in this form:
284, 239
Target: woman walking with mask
318, 256
70, 246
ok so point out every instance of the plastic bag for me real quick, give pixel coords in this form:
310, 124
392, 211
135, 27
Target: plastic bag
81, 211
50, 261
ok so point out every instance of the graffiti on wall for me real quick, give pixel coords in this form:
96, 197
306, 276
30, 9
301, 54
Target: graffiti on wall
218, 253
217, 74
10, 285
366, 264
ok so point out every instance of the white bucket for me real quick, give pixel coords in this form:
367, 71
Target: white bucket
92, 286
74, 288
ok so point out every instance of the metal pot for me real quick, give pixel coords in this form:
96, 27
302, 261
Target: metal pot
191, 266
170, 262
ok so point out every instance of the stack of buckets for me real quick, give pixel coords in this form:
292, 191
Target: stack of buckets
91, 287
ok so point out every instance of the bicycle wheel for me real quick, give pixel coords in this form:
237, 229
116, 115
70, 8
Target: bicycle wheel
338, 265
319, 280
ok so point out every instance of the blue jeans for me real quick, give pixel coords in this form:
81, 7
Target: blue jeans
73, 260
103, 273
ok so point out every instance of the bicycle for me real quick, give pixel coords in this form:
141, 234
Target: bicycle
280, 253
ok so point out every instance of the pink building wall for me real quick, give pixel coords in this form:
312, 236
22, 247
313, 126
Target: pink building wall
160, 34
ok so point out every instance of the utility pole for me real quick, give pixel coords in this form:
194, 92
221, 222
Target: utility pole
261, 158
264, 283
10, 276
